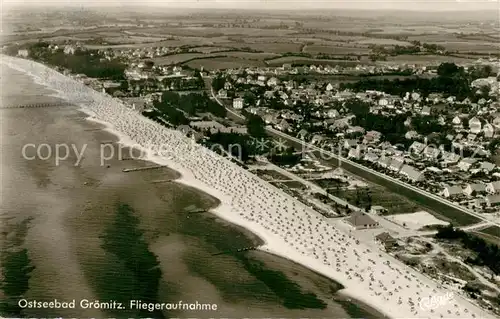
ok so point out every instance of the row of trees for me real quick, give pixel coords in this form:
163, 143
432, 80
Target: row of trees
88, 62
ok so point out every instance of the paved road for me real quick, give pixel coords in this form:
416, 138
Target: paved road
390, 179
387, 178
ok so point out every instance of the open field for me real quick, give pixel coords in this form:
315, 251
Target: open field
424, 59
269, 47
388, 42
308, 61
336, 50
177, 58
394, 203
224, 63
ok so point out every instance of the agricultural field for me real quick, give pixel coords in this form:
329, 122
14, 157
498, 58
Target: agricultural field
177, 58
224, 63
385, 42
336, 50
269, 47
308, 61
424, 59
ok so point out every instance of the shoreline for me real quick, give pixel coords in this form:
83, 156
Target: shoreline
274, 244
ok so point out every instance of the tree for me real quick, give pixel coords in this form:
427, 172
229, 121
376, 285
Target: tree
256, 126
149, 64
447, 69
249, 98
218, 83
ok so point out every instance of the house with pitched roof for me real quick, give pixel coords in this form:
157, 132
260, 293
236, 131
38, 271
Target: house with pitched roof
361, 220
451, 191
493, 187
471, 189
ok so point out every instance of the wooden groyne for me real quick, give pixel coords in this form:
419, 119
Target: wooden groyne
36, 105
39, 105
236, 250
161, 181
136, 169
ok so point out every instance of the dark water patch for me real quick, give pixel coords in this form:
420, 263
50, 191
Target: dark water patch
140, 276
16, 268
358, 310
287, 290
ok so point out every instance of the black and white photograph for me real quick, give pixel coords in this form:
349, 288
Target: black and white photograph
320, 159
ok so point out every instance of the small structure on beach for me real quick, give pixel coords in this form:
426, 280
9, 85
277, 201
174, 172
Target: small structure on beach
378, 210
361, 220
386, 239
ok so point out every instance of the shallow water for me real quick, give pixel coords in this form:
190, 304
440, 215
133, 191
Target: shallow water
71, 207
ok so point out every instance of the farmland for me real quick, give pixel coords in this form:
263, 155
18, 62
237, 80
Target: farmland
343, 36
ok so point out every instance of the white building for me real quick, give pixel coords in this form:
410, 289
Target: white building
238, 103
452, 191
493, 187
23, 53
475, 125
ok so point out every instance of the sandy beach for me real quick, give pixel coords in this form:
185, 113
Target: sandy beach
289, 228
69, 206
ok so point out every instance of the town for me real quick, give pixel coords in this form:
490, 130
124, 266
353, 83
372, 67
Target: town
366, 146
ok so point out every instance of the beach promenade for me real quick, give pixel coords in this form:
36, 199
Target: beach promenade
289, 228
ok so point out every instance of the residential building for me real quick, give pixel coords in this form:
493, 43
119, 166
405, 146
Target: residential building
488, 130
487, 167
457, 121
386, 239
466, 163
471, 189
302, 134
371, 157
475, 125
426, 110
417, 147
283, 125
451, 191
496, 122
411, 173
238, 103
431, 152
354, 153
493, 187
396, 164
222, 93
350, 144
372, 137
492, 200
317, 139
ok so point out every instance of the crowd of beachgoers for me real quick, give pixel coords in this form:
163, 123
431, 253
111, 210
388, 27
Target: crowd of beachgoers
289, 228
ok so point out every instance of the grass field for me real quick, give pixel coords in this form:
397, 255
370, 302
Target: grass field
425, 59
336, 50
224, 63
308, 61
394, 203
177, 58
270, 47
